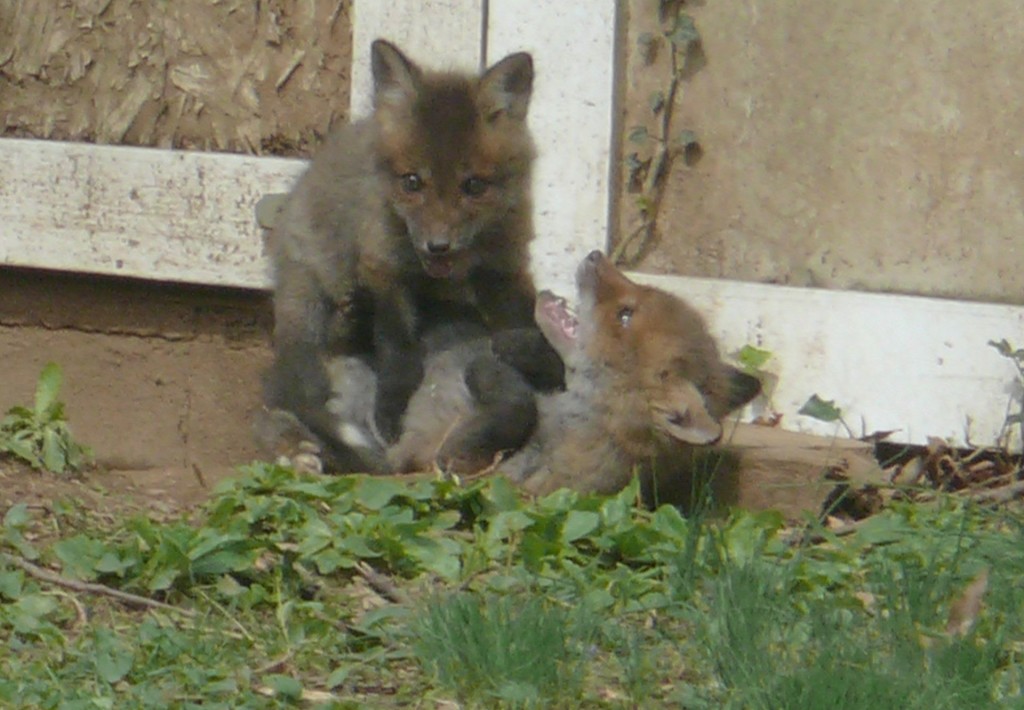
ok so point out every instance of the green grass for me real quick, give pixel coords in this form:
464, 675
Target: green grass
569, 601
503, 651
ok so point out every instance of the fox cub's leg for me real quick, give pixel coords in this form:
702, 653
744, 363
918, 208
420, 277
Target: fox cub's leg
398, 362
504, 416
528, 351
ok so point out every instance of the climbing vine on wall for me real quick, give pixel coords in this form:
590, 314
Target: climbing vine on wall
653, 148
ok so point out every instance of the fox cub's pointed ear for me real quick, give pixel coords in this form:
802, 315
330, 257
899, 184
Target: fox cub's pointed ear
742, 387
682, 414
505, 88
395, 78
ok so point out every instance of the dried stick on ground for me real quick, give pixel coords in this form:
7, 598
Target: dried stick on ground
381, 584
50, 577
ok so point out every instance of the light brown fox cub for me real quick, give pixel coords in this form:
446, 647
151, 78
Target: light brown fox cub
643, 380
423, 205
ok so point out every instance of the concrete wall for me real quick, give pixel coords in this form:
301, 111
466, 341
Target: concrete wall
860, 144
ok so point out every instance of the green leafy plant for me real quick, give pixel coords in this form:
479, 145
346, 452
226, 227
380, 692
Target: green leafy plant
824, 410
656, 149
40, 436
1016, 356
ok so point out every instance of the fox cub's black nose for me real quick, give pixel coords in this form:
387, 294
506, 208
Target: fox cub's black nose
594, 255
438, 247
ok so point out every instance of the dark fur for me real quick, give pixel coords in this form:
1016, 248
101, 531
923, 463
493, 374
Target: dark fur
645, 384
360, 257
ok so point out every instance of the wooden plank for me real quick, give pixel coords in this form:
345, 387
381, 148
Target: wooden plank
921, 366
439, 34
573, 48
138, 212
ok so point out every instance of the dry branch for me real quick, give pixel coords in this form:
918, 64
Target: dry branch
51, 577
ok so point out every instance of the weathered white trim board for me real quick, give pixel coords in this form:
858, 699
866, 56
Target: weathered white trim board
138, 212
573, 48
922, 366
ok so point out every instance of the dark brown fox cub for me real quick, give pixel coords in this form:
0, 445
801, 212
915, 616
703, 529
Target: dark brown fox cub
419, 209
644, 381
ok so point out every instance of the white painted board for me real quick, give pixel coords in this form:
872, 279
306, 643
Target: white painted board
921, 366
437, 34
573, 48
138, 212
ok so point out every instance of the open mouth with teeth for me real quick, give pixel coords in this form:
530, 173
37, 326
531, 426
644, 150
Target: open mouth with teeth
557, 321
438, 267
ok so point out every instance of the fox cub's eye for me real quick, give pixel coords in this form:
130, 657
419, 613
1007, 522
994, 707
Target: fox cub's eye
474, 186
411, 182
625, 315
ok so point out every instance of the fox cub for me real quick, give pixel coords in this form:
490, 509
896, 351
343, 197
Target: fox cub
422, 207
644, 380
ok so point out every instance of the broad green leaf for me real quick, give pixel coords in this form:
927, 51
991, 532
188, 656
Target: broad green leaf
820, 409
210, 541
113, 659
79, 556
638, 134
53, 452
112, 563
684, 33
228, 586
668, 521
882, 529
285, 686
579, 523
338, 676
28, 612
163, 579
358, 545
220, 562
11, 583
752, 359
47, 390
506, 523
17, 516
503, 495
22, 448
375, 493
686, 138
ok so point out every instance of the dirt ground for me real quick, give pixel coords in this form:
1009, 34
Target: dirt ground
157, 493
156, 376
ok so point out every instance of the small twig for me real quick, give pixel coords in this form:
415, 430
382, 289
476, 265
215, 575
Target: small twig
50, 577
276, 664
381, 584
997, 495
219, 607
80, 612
